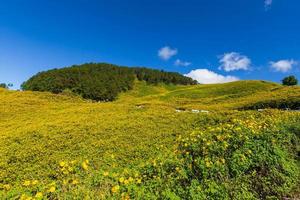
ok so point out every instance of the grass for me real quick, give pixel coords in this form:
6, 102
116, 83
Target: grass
60, 146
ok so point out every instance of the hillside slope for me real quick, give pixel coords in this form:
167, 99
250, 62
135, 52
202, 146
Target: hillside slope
86, 149
235, 95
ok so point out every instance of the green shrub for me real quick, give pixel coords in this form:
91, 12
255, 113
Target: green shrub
290, 80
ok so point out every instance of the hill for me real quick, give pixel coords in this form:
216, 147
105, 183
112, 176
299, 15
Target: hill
99, 81
236, 95
60, 146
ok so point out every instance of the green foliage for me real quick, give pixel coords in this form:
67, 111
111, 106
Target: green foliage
290, 103
6, 86
100, 82
290, 80
157, 76
3, 85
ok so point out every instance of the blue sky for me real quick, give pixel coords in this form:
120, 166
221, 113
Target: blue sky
209, 40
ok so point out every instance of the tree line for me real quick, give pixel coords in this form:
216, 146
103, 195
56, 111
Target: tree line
6, 86
99, 81
157, 76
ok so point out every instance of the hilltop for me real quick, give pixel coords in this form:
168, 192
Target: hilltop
64, 146
99, 81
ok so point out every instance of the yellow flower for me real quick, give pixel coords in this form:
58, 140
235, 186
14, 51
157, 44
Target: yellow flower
225, 144
70, 169
62, 164
115, 189
6, 186
208, 163
139, 180
125, 197
154, 163
26, 183
121, 180
126, 182
85, 165
73, 162
130, 179
223, 160
105, 173
74, 182
25, 197
219, 137
38, 195
52, 189
34, 182
52, 183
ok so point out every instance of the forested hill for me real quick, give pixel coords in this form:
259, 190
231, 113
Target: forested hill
99, 81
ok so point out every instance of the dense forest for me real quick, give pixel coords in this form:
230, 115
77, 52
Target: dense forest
99, 81
157, 76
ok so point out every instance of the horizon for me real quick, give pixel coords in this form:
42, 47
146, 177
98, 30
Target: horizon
249, 40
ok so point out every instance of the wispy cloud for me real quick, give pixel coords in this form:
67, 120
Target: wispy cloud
283, 65
178, 62
206, 76
234, 61
268, 4
165, 53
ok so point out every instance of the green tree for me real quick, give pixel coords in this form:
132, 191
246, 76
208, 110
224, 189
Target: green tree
6, 86
290, 80
3, 85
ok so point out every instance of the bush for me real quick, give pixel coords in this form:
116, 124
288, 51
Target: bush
290, 103
290, 80
6, 86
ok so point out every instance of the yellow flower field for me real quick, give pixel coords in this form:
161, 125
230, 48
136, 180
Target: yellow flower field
143, 147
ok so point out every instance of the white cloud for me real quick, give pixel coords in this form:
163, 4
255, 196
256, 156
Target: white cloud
268, 3
206, 76
283, 65
234, 61
165, 53
178, 62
